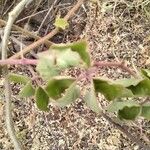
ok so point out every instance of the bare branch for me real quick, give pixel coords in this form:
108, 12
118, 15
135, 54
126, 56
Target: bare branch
26, 32
42, 23
50, 35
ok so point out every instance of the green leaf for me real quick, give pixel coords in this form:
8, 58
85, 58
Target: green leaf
16, 78
57, 86
27, 91
146, 111
110, 90
67, 58
129, 113
42, 99
115, 106
80, 47
141, 89
71, 94
46, 67
91, 100
128, 82
61, 23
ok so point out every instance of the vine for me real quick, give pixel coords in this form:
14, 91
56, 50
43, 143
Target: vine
63, 56
64, 90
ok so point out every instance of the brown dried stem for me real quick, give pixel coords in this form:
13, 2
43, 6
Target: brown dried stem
50, 35
26, 32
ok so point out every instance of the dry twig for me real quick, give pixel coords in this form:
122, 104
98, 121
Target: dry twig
50, 35
9, 122
26, 32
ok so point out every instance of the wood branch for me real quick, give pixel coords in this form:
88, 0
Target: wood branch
50, 35
26, 32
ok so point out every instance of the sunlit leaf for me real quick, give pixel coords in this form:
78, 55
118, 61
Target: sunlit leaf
57, 86
115, 106
16, 78
110, 90
129, 113
46, 67
81, 47
71, 94
91, 100
67, 58
27, 91
61, 23
42, 99
146, 111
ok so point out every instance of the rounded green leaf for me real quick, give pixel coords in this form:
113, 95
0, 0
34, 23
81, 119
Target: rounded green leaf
16, 78
42, 99
80, 47
67, 58
110, 90
46, 67
128, 82
115, 106
71, 94
129, 113
57, 86
27, 91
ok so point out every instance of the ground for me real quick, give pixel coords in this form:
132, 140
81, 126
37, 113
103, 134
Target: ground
116, 30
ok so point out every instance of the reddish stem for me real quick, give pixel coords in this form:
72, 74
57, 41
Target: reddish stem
120, 65
23, 61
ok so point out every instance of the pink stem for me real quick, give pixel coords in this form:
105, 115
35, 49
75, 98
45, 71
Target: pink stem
23, 61
26, 61
115, 64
